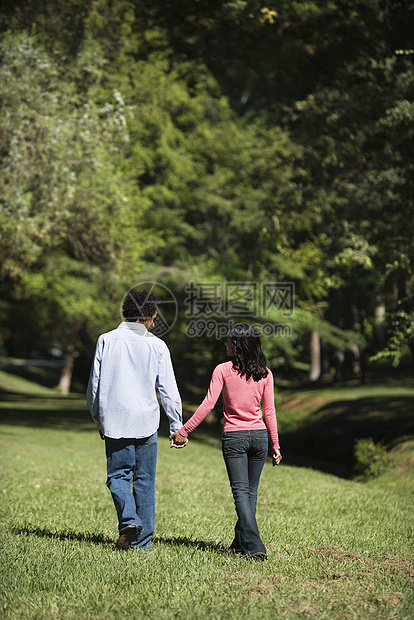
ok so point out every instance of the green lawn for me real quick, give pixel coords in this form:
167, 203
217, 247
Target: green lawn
337, 548
320, 427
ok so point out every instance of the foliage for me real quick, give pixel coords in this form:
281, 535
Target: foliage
401, 337
69, 217
242, 140
371, 459
62, 188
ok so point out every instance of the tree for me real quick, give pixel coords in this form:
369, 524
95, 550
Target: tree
216, 141
69, 212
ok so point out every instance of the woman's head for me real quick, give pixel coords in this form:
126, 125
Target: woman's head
248, 355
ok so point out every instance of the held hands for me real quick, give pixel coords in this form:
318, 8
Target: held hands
178, 441
276, 457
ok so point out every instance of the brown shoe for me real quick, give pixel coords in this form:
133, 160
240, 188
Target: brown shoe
127, 536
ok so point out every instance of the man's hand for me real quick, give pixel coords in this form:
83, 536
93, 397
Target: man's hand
101, 435
276, 457
178, 441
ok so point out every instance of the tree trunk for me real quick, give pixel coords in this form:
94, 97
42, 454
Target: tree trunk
339, 365
380, 319
315, 356
67, 370
356, 359
326, 362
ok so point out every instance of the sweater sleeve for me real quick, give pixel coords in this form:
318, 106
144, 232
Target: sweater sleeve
270, 411
214, 390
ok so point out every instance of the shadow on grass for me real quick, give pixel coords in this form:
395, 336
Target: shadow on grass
188, 542
44, 373
49, 395
326, 440
99, 539
61, 414
96, 539
39, 414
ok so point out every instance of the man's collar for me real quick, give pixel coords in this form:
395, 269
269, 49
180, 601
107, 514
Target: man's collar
135, 327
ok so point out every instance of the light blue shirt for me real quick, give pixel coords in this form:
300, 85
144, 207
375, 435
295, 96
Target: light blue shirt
129, 362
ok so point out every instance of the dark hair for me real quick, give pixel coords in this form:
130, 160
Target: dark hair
248, 355
140, 305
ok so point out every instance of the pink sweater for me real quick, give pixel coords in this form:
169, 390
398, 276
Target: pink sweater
241, 403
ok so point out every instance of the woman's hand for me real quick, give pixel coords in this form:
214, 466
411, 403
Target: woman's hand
276, 457
178, 441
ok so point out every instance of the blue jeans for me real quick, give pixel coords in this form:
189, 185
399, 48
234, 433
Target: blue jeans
131, 468
245, 454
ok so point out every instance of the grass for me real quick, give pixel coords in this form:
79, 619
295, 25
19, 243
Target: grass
337, 548
322, 426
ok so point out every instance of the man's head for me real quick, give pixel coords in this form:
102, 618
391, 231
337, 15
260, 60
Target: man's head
140, 306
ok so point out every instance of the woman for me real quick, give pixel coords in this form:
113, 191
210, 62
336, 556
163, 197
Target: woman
245, 382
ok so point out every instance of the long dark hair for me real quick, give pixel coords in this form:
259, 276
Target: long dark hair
248, 356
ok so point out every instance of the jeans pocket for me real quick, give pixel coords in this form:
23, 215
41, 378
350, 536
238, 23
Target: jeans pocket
262, 448
232, 447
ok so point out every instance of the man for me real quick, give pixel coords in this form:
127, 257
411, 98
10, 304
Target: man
128, 363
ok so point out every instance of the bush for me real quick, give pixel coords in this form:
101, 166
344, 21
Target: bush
371, 459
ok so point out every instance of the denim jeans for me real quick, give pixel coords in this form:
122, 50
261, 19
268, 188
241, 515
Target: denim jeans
245, 454
131, 468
